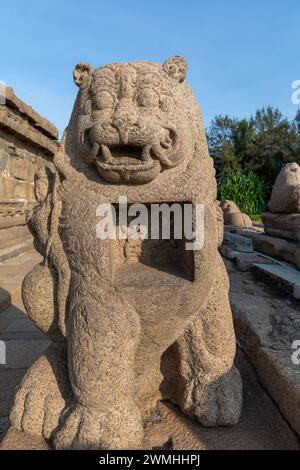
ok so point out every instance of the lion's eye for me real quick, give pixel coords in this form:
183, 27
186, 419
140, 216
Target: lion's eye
167, 104
104, 100
147, 98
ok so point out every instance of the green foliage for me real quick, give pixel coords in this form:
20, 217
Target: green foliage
261, 144
249, 191
256, 217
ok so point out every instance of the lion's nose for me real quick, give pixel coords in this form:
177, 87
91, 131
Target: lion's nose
124, 123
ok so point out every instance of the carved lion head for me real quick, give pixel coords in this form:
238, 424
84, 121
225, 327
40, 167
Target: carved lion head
132, 121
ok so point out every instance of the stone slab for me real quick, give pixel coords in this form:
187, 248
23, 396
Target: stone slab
40, 122
17, 220
14, 241
16, 250
283, 276
243, 261
238, 242
24, 130
273, 246
282, 225
12, 236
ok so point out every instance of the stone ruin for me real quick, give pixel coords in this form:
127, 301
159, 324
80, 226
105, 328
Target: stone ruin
283, 216
131, 323
27, 141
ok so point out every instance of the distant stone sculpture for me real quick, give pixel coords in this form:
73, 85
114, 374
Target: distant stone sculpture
283, 218
130, 322
233, 215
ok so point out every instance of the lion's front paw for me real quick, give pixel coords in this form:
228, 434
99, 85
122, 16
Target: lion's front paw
219, 402
90, 428
42, 394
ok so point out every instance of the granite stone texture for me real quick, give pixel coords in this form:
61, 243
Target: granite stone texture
233, 215
283, 216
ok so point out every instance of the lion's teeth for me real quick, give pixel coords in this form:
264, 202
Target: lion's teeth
106, 153
146, 154
94, 152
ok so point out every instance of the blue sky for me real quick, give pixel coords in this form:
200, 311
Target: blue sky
242, 54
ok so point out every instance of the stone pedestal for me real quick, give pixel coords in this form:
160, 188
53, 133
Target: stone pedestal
282, 225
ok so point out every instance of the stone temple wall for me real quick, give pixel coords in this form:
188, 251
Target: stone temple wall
27, 141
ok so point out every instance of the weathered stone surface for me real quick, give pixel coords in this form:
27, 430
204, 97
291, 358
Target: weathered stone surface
282, 225
39, 122
283, 218
233, 215
143, 320
17, 440
284, 277
285, 196
244, 261
13, 122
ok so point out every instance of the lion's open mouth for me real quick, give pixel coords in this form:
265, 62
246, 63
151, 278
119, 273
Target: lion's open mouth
130, 163
125, 155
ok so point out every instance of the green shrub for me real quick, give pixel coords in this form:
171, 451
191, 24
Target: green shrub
255, 217
250, 192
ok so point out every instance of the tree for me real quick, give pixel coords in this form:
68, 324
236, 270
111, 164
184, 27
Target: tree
297, 121
261, 144
275, 143
221, 145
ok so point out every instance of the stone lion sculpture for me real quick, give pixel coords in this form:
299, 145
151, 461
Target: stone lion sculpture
233, 215
282, 219
285, 196
127, 329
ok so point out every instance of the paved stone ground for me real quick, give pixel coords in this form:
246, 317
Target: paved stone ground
23, 341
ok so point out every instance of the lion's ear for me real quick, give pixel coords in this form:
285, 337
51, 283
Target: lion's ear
176, 67
82, 74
